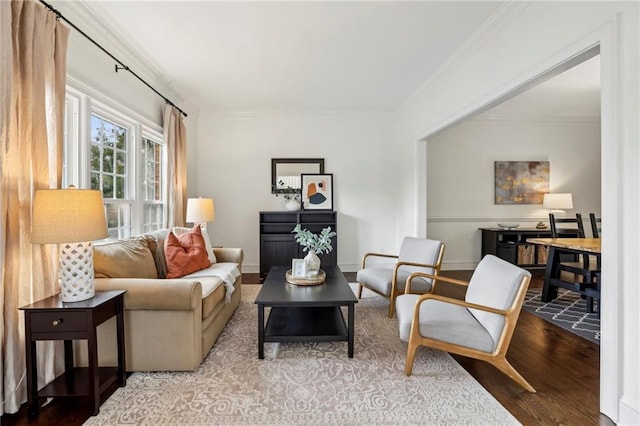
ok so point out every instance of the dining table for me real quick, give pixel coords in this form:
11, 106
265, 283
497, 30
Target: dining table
553, 279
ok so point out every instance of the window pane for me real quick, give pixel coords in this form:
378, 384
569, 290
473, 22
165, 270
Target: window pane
120, 162
107, 160
119, 187
95, 181
107, 186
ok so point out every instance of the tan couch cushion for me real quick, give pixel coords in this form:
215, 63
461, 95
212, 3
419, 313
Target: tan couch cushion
131, 258
213, 293
158, 255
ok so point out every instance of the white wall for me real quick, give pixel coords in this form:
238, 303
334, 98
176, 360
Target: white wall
515, 47
460, 177
233, 164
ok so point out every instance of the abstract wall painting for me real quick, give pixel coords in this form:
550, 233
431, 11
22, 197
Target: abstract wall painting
521, 182
317, 191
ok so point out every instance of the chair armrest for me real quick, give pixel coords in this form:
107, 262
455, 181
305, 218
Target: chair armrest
364, 258
436, 278
458, 302
156, 294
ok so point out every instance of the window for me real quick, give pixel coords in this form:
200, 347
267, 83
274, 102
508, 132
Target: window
120, 154
153, 209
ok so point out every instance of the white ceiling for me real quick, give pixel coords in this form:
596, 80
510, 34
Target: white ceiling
333, 55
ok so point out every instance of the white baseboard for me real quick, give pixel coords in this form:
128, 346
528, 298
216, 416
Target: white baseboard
250, 269
459, 265
628, 415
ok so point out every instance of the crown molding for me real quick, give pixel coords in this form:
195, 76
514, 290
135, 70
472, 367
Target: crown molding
525, 118
310, 114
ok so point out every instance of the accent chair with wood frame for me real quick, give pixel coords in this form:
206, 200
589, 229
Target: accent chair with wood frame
416, 255
481, 326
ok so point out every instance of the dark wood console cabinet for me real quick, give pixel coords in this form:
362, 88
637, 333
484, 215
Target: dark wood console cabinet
277, 243
511, 245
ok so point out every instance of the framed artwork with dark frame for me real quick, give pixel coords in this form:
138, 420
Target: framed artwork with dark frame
317, 191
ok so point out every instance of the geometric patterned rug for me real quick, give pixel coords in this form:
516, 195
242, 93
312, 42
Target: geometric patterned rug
567, 311
308, 383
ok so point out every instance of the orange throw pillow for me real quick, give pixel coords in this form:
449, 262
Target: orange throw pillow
186, 253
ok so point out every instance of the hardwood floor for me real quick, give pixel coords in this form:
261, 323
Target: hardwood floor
563, 367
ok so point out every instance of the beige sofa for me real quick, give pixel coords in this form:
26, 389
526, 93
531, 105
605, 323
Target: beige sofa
170, 324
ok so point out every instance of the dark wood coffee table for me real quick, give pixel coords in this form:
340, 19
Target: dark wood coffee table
305, 313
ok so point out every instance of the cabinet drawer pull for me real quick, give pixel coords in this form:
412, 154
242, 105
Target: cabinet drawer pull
56, 322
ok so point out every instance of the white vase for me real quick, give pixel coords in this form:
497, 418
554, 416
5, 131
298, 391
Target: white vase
312, 263
292, 205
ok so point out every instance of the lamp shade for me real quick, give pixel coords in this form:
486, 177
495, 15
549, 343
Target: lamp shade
200, 210
68, 216
557, 201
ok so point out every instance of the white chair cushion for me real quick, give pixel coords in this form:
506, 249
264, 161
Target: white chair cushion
419, 250
379, 279
443, 321
494, 283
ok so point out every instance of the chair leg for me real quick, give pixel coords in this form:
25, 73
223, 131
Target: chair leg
392, 303
359, 291
411, 355
503, 365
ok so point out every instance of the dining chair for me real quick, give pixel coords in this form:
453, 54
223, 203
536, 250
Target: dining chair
480, 326
584, 267
596, 225
416, 255
576, 231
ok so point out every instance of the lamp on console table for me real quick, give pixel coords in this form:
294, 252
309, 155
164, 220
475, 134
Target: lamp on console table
557, 202
74, 218
200, 211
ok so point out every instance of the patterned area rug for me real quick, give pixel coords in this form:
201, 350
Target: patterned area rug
567, 311
308, 383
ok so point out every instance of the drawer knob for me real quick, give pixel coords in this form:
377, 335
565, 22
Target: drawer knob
56, 322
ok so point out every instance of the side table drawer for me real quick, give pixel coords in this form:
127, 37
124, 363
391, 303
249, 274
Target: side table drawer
53, 322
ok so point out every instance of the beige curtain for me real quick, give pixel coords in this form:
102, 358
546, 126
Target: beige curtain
34, 50
175, 136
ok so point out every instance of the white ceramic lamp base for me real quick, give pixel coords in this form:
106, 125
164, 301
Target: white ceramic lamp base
76, 272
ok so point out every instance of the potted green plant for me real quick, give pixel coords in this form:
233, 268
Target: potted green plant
314, 244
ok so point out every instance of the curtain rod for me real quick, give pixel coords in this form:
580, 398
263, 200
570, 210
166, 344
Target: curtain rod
120, 65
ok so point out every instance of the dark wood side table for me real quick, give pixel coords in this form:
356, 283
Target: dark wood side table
52, 319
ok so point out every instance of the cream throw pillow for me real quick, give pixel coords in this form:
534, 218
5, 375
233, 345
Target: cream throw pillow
210, 254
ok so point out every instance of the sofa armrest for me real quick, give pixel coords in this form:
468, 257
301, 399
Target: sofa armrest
155, 294
235, 255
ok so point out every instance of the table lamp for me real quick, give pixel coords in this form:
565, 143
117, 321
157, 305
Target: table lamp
200, 211
74, 218
557, 202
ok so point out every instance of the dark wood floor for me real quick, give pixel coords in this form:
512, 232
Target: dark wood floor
563, 367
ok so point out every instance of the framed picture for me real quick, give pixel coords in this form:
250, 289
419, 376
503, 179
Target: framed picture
521, 182
317, 191
298, 268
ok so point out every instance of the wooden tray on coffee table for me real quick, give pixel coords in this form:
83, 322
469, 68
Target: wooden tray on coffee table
318, 279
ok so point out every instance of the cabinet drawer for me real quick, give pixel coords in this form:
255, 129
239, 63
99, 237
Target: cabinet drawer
54, 322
